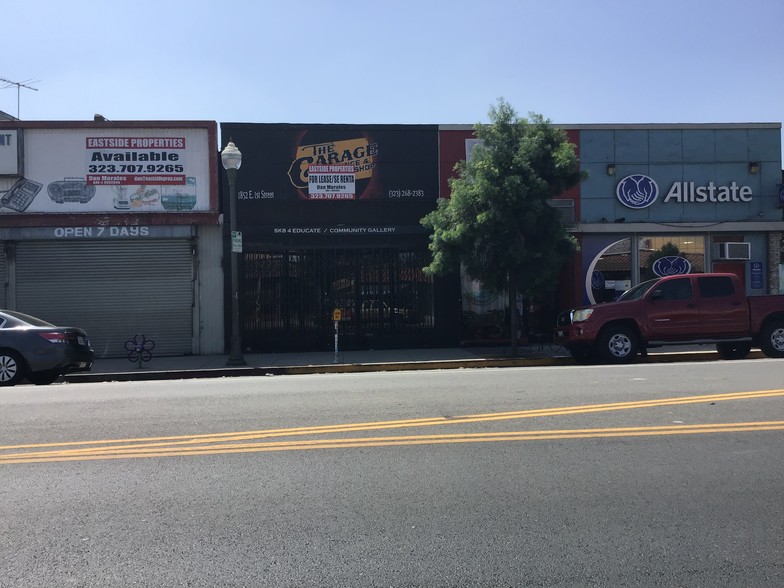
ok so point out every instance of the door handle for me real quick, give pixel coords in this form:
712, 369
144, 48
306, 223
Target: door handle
691, 306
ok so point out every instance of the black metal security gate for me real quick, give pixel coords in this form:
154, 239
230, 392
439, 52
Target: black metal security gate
287, 298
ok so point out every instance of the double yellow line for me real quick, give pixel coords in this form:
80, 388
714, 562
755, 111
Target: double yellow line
254, 441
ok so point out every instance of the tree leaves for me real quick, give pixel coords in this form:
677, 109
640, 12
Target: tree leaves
498, 221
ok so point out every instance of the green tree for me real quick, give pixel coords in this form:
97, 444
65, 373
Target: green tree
498, 224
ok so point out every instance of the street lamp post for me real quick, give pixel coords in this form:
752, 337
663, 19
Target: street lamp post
232, 159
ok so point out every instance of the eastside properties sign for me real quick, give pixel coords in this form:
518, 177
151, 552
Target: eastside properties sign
639, 191
110, 170
9, 152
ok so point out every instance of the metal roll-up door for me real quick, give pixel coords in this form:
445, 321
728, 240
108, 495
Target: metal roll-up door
112, 289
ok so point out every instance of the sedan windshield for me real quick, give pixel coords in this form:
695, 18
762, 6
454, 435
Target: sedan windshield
639, 290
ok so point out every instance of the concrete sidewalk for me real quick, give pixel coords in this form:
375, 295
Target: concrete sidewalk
261, 364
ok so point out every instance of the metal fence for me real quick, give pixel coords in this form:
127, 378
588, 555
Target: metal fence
288, 298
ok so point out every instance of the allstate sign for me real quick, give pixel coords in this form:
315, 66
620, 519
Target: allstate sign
637, 191
671, 265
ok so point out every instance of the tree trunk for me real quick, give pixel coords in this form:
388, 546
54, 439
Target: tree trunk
514, 317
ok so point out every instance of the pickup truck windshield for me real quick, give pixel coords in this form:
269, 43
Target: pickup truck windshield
639, 290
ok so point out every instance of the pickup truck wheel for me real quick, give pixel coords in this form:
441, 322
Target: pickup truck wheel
618, 344
733, 350
772, 339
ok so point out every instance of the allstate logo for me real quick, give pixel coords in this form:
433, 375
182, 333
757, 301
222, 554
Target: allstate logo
597, 280
637, 191
671, 265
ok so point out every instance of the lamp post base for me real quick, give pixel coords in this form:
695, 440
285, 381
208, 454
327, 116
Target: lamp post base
235, 361
235, 353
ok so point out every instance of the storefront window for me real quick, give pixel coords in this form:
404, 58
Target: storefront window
484, 313
781, 267
663, 256
611, 272
781, 278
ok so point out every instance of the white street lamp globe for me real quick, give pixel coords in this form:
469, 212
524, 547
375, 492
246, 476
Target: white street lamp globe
231, 156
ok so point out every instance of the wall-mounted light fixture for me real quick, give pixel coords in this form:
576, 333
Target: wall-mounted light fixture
754, 167
610, 169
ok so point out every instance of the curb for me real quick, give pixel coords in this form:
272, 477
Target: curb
233, 372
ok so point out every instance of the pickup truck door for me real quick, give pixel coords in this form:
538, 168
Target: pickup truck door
724, 311
671, 311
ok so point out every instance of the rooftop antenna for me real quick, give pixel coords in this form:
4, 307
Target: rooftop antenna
19, 86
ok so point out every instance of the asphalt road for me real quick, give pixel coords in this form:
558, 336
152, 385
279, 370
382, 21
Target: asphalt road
643, 475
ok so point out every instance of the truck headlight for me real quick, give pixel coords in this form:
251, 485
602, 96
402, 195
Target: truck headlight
579, 316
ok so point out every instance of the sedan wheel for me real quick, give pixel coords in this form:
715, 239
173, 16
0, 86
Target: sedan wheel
11, 370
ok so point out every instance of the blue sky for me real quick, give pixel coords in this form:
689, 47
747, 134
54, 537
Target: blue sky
403, 61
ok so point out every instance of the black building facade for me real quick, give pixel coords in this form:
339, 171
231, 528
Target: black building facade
329, 216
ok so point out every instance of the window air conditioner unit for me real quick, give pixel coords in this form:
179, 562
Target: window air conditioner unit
733, 251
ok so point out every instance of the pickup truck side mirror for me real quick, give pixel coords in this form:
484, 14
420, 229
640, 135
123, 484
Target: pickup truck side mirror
657, 295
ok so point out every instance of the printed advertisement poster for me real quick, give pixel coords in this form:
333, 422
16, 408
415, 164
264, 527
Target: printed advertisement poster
9, 152
112, 170
382, 162
329, 183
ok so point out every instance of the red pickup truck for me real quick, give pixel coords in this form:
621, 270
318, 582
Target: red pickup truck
675, 310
